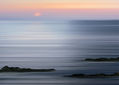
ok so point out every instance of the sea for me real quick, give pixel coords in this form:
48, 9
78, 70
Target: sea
61, 45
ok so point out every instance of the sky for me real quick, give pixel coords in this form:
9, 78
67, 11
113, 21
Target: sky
59, 9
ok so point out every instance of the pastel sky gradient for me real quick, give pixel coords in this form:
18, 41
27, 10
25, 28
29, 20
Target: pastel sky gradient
59, 9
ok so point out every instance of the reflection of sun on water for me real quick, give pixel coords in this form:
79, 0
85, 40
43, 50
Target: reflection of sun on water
37, 14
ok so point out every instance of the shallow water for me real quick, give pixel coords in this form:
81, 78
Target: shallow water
59, 45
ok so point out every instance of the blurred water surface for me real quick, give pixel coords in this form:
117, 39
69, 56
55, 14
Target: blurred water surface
59, 45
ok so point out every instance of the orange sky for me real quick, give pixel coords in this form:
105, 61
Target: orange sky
58, 5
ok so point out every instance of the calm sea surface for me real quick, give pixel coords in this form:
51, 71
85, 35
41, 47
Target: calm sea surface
59, 45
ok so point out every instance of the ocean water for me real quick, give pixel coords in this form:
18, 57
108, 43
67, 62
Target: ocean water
61, 45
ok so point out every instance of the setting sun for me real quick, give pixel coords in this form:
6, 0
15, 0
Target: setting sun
37, 14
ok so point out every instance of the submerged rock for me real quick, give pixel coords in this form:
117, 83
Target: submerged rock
101, 75
17, 69
102, 59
